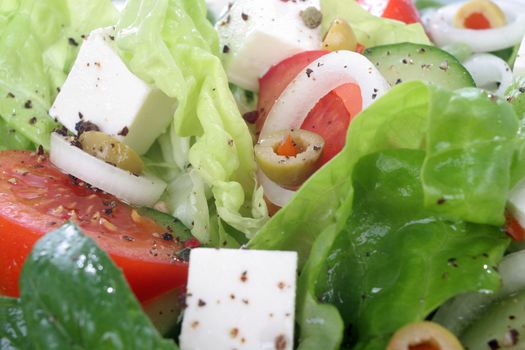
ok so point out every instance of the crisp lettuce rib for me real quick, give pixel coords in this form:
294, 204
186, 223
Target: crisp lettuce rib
171, 44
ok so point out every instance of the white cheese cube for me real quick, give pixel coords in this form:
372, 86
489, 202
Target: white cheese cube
101, 89
519, 64
239, 299
257, 34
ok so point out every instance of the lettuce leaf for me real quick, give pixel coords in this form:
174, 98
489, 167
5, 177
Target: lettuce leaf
398, 120
369, 29
38, 43
470, 144
171, 44
396, 261
11, 139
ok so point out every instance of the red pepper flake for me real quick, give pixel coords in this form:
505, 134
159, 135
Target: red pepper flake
244, 276
250, 117
234, 332
280, 342
195, 324
192, 243
40, 150
124, 131
244, 16
281, 285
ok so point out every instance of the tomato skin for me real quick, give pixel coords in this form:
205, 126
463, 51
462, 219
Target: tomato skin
331, 115
401, 10
35, 198
273, 83
513, 228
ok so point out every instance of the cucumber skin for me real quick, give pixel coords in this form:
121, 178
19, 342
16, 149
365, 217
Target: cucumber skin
174, 226
502, 324
407, 61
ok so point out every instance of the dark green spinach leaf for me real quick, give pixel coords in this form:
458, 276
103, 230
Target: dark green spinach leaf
74, 297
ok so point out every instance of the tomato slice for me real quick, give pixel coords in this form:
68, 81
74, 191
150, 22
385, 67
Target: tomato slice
401, 10
35, 197
273, 83
331, 115
513, 228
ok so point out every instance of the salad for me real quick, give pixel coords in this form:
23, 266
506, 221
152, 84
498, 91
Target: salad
262, 174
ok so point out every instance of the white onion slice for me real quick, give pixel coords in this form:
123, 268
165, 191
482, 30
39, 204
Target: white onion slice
277, 194
519, 64
135, 190
489, 71
308, 87
443, 32
318, 79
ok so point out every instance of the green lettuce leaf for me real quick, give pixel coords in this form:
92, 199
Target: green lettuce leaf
38, 43
470, 143
11, 139
515, 95
171, 44
369, 29
396, 261
400, 119
62, 277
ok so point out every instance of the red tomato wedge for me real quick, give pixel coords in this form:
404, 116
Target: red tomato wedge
513, 228
35, 197
331, 115
273, 83
401, 10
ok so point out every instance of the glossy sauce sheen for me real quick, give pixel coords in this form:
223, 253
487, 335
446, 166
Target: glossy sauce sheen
36, 198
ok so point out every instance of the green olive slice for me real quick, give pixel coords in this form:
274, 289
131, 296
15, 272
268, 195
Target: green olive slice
111, 150
289, 171
340, 36
424, 336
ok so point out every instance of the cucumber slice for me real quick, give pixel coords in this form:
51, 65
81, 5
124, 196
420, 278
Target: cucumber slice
165, 311
501, 326
406, 61
462, 311
174, 226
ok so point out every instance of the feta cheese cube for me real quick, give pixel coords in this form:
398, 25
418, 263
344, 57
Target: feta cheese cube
257, 34
239, 299
101, 89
